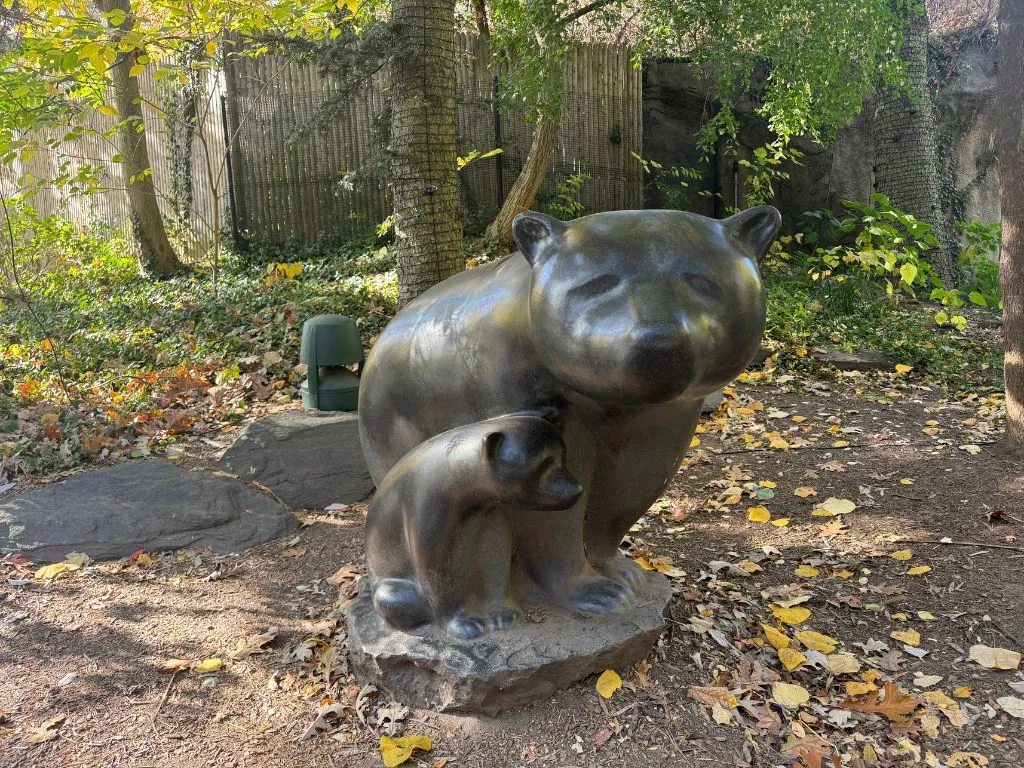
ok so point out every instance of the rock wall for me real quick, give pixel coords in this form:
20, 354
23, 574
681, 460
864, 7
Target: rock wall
676, 102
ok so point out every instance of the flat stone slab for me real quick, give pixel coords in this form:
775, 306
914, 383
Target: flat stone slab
506, 669
862, 360
310, 459
153, 505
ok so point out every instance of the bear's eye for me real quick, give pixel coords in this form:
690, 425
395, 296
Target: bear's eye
701, 284
595, 286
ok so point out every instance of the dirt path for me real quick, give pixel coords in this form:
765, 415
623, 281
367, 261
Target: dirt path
82, 652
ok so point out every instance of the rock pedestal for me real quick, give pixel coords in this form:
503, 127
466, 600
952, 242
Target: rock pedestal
503, 669
310, 459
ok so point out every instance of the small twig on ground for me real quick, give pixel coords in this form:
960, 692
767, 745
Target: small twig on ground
961, 544
1006, 634
163, 700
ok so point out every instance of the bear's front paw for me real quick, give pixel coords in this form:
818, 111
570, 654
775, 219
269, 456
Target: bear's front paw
624, 570
504, 618
601, 596
466, 627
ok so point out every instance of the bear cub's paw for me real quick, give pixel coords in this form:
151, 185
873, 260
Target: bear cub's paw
503, 618
467, 627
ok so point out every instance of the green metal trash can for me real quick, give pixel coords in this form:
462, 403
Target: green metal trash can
329, 343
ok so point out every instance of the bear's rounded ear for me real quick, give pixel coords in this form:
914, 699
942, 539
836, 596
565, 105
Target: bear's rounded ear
534, 232
756, 228
492, 442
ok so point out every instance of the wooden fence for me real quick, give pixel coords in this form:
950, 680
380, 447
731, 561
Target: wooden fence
281, 188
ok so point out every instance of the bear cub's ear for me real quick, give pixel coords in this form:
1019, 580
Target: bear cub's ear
492, 442
534, 232
756, 228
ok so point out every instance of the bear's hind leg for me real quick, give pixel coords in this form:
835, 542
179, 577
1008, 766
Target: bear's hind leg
401, 603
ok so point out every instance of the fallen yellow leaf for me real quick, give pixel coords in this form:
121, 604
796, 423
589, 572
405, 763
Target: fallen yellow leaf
804, 492
816, 641
842, 573
907, 636
779, 444
790, 695
791, 658
832, 506
919, 570
806, 571
853, 688
778, 639
843, 664
925, 616
644, 563
781, 522
796, 615
695, 442
963, 692
768, 484
396, 751
608, 683
52, 571
212, 664
902, 554
841, 444
901, 368
759, 515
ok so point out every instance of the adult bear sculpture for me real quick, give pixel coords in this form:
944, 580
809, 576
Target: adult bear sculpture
613, 327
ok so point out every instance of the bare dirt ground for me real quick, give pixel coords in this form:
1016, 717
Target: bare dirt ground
80, 683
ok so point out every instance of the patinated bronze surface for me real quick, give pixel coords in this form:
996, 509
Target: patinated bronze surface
613, 328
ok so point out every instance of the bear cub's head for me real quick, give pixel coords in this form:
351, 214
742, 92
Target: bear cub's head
525, 457
643, 307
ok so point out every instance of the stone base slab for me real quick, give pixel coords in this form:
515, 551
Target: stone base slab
506, 669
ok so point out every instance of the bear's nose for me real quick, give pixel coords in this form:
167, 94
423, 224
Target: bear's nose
657, 337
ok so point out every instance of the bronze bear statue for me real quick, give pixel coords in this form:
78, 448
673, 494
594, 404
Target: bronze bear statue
613, 327
438, 535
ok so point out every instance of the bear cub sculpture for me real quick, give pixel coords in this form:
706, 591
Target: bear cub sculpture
613, 327
438, 532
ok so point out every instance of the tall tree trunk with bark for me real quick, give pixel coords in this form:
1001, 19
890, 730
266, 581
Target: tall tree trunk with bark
147, 226
424, 179
1010, 150
527, 184
906, 168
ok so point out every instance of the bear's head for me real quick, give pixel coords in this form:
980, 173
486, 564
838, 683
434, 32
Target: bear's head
642, 307
525, 457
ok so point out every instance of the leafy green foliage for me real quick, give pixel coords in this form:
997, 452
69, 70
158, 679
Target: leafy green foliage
877, 241
978, 265
133, 352
857, 314
565, 202
671, 182
846, 281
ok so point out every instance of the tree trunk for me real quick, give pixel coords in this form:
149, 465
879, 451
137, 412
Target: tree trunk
906, 167
147, 226
1010, 149
424, 179
527, 184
